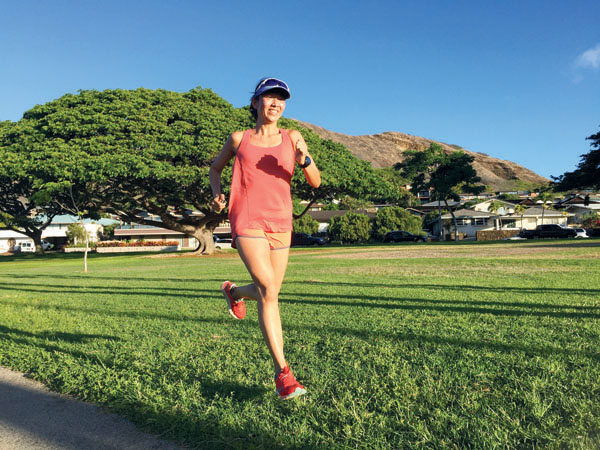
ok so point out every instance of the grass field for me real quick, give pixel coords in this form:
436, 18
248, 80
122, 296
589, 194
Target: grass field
400, 346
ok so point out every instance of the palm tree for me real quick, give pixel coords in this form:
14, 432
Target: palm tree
545, 197
520, 209
494, 207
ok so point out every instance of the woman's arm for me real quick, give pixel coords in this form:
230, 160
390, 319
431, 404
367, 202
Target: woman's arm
311, 172
214, 174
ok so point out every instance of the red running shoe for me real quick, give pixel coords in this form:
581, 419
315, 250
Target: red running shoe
237, 308
287, 386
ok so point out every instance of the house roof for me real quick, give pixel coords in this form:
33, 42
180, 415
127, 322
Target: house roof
467, 213
326, 216
451, 204
529, 212
538, 212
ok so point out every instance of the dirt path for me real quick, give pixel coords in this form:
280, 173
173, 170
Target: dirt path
33, 418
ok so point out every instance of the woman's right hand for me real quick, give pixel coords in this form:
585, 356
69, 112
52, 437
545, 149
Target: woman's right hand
219, 203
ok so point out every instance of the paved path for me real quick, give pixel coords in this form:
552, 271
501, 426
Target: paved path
33, 418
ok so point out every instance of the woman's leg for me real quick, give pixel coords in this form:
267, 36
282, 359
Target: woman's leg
267, 268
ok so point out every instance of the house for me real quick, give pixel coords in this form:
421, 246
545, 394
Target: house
469, 221
137, 232
507, 207
580, 206
55, 233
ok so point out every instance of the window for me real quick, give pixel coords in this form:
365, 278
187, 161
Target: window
480, 221
509, 223
462, 222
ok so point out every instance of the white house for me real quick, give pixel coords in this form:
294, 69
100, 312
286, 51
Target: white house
55, 233
470, 221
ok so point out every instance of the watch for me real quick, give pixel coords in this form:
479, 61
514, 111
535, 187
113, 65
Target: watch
307, 162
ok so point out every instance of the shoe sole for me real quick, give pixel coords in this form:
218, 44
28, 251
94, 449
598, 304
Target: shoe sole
297, 393
229, 304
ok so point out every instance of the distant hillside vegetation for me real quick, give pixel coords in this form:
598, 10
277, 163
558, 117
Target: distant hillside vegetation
386, 149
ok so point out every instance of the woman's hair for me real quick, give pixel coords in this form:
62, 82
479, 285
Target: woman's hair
253, 110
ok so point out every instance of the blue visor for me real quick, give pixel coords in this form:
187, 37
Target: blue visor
269, 84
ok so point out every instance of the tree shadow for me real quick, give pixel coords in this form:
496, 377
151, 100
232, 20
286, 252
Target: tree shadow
454, 287
57, 335
367, 301
369, 335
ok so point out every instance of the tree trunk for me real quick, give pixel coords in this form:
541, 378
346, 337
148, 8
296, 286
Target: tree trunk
85, 253
37, 241
206, 243
453, 220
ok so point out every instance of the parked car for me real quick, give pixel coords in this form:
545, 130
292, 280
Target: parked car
221, 243
403, 236
592, 232
29, 247
581, 233
306, 239
548, 231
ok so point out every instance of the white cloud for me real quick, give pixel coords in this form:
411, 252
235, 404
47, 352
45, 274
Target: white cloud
590, 58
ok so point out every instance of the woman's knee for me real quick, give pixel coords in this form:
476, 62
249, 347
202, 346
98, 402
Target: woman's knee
267, 289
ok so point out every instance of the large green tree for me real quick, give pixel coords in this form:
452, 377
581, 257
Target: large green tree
149, 151
446, 175
25, 205
587, 174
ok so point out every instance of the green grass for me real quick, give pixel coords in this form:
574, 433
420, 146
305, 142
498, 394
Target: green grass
400, 346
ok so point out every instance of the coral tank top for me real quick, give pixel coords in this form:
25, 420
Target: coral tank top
260, 195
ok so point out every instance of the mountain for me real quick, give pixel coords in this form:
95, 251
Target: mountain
386, 149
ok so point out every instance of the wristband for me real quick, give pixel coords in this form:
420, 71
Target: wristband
307, 162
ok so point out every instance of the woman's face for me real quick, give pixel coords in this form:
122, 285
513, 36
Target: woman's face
270, 106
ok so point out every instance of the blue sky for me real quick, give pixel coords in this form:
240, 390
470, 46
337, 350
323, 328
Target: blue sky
518, 80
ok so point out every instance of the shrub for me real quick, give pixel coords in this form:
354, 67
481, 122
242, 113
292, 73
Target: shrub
396, 218
306, 224
351, 227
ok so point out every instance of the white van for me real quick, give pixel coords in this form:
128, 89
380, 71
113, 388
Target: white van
29, 246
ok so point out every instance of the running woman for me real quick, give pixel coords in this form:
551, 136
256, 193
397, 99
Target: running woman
260, 213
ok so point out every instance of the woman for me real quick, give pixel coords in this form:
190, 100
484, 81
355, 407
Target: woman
260, 213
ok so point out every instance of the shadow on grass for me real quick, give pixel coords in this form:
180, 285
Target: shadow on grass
56, 335
453, 287
251, 323
546, 351
387, 285
497, 308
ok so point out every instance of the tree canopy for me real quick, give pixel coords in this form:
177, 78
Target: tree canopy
587, 174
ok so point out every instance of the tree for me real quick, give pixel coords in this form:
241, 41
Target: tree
75, 233
351, 227
306, 224
395, 218
520, 209
494, 207
587, 174
150, 151
396, 192
546, 197
446, 175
